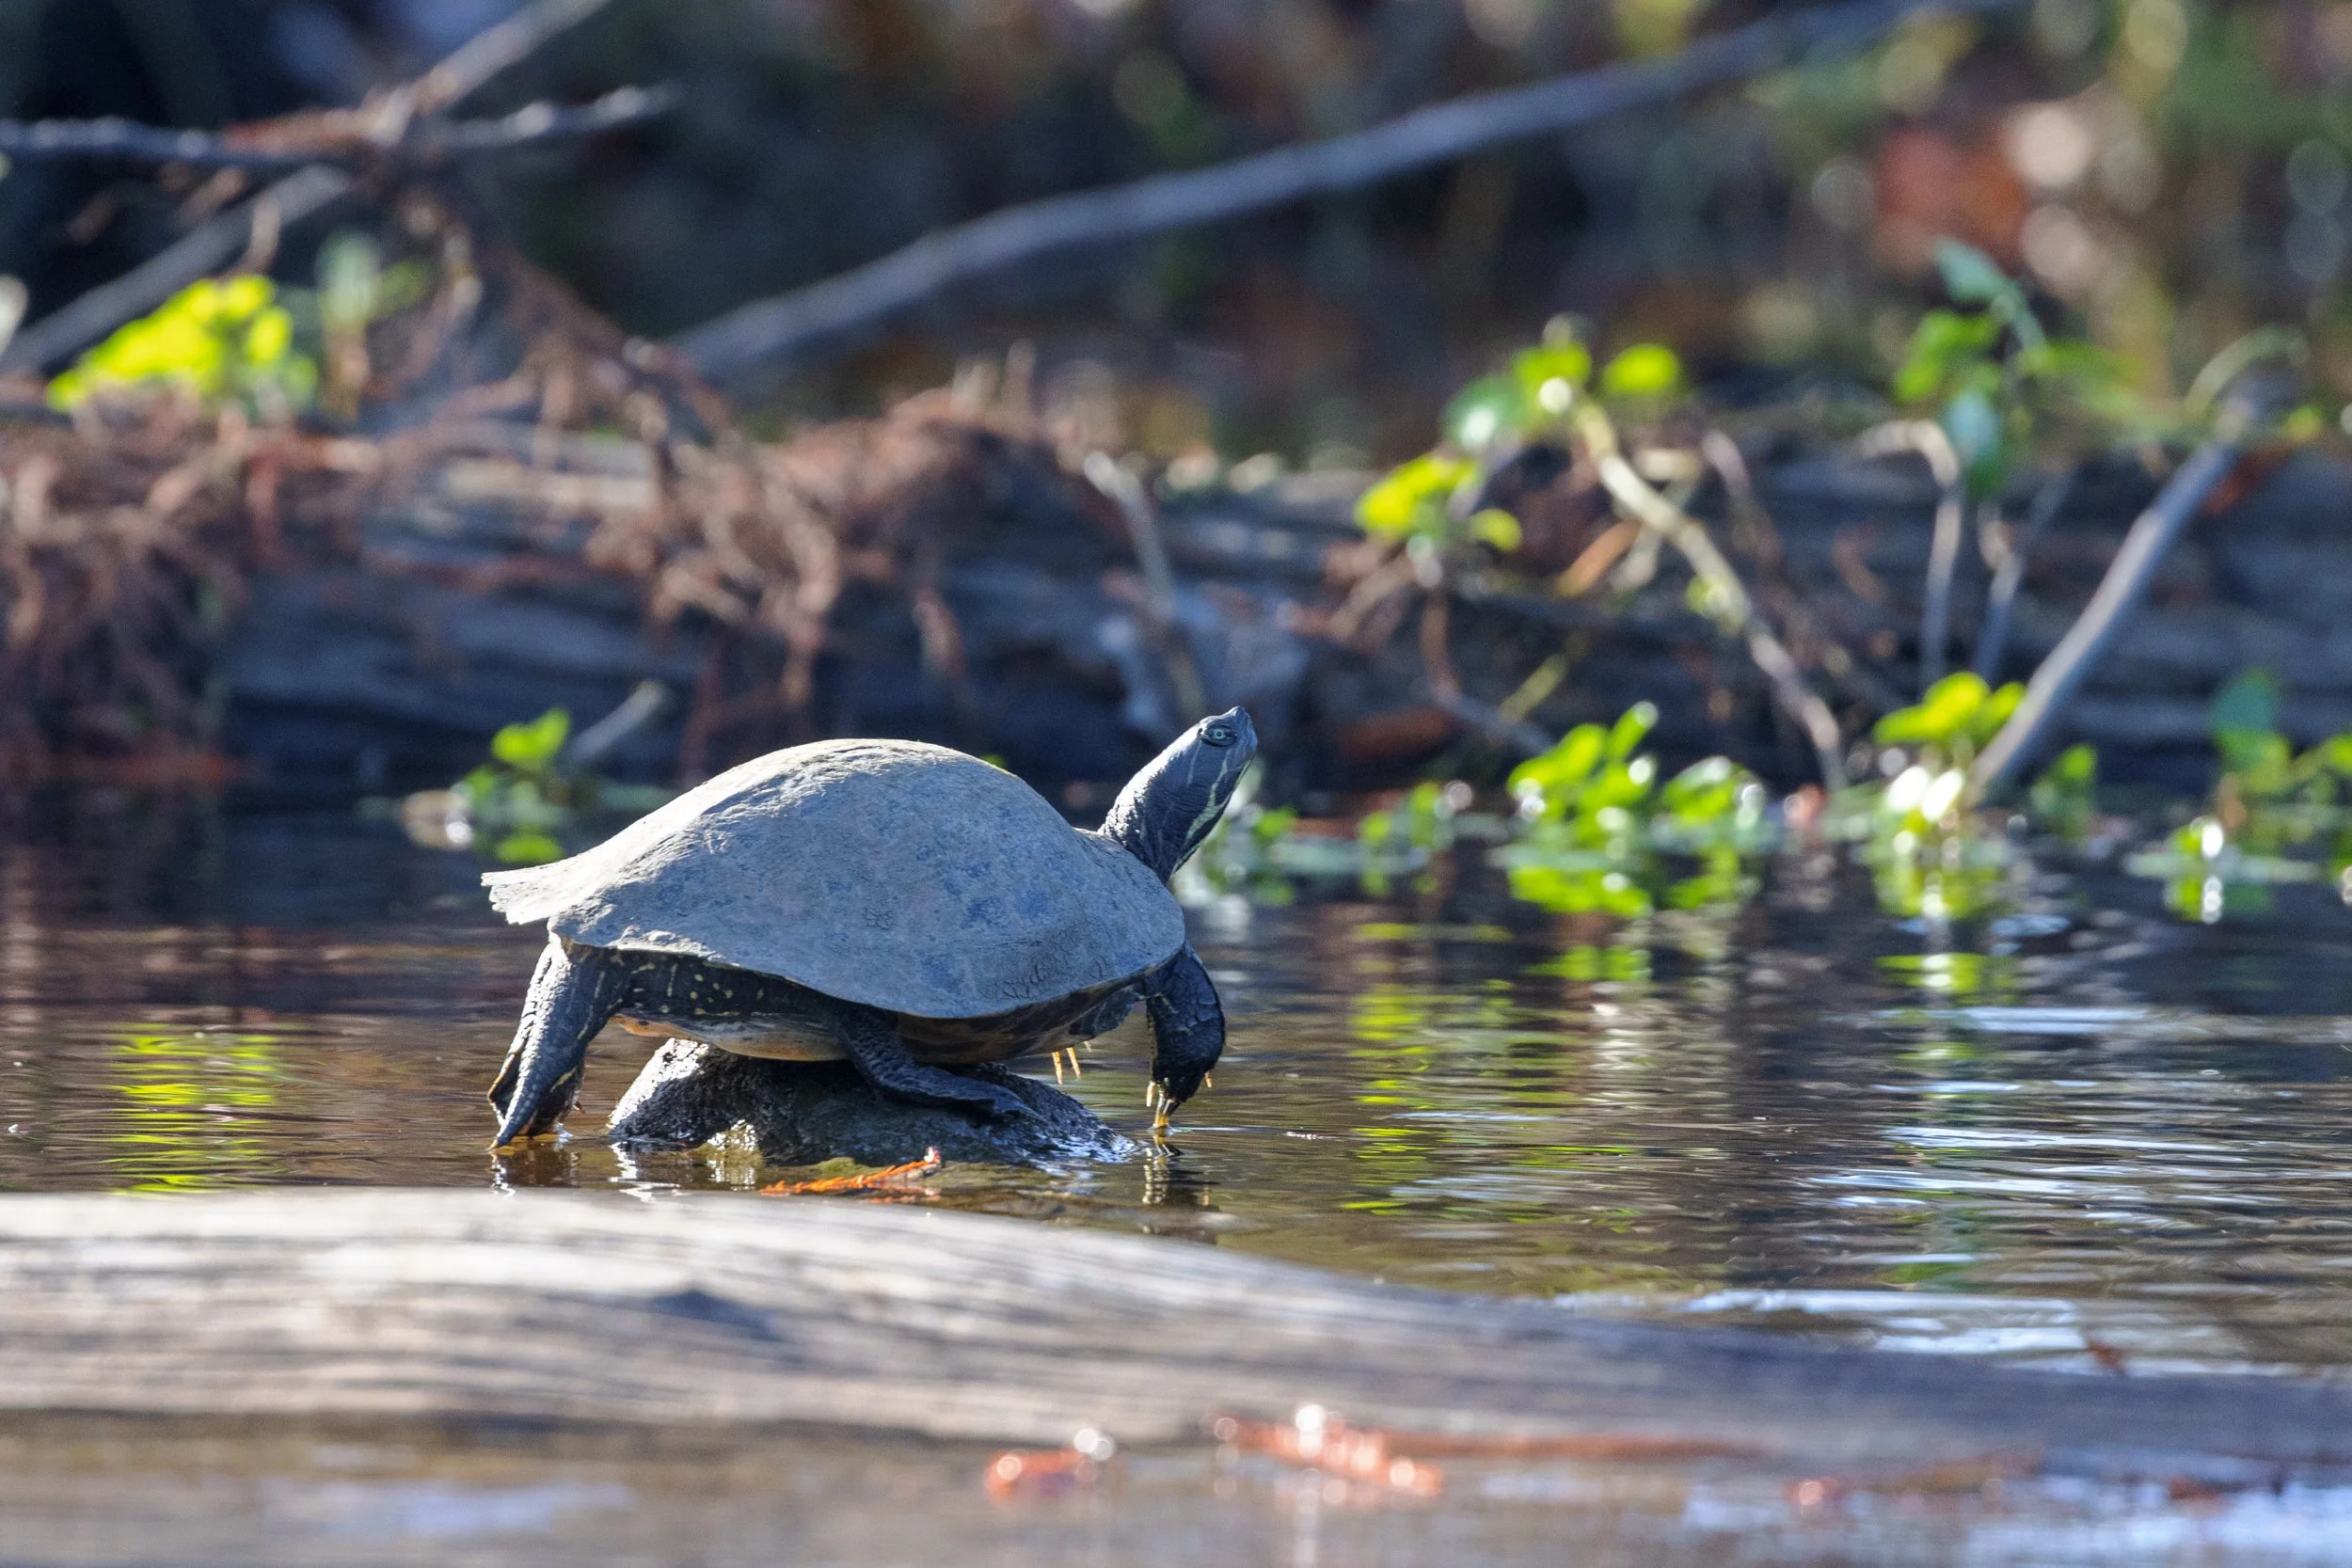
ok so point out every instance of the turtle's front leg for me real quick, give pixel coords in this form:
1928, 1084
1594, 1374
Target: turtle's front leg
1187, 1028
870, 1039
573, 994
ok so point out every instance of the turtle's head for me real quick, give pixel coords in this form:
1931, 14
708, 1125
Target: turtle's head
1168, 808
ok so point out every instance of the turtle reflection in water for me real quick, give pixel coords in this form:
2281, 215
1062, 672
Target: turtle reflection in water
903, 906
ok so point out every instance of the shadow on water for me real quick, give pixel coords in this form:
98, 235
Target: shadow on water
2088, 1135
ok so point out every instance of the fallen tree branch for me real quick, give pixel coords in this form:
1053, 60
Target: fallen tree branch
767, 329
2119, 591
341, 137
731, 1313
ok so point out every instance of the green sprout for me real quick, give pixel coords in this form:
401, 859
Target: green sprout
222, 343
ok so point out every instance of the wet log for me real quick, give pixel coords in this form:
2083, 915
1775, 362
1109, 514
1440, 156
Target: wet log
747, 1312
469, 609
806, 1113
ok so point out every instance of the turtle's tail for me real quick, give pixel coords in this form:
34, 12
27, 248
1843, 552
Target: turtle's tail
573, 994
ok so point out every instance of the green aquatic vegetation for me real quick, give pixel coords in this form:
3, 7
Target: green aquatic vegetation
1596, 832
222, 343
517, 805
2066, 795
2276, 815
1930, 856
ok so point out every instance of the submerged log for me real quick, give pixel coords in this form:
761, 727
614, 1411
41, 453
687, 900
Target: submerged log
744, 1311
806, 1113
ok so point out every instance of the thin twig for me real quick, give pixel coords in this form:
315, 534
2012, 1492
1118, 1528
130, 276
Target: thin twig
1732, 607
2134, 565
1927, 438
767, 329
255, 149
544, 122
12, 297
200, 252
495, 50
1513, 734
1126, 492
2001, 599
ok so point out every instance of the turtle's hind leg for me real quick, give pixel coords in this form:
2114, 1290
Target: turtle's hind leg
870, 1039
573, 993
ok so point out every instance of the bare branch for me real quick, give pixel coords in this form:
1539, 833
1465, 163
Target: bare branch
200, 252
131, 141
495, 50
258, 148
777, 326
1927, 438
2119, 591
1732, 610
544, 122
2001, 599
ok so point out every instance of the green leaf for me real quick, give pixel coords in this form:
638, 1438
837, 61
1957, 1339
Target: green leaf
528, 848
1974, 428
1486, 411
1549, 378
2335, 755
1558, 773
1404, 501
1994, 712
2249, 702
1970, 276
1941, 715
1496, 527
1942, 346
2261, 757
529, 747
1973, 278
1631, 728
1643, 370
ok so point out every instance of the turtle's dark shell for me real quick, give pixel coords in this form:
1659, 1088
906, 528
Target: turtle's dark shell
906, 876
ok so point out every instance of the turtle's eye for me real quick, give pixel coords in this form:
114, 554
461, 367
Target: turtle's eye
1220, 735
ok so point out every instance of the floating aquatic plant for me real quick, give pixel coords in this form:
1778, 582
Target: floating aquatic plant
538, 784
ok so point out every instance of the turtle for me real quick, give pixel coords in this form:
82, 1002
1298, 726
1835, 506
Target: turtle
903, 905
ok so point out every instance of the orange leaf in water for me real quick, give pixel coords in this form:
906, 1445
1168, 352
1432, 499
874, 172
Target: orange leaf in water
891, 1176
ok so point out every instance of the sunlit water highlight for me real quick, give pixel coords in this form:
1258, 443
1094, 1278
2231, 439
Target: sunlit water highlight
2091, 1135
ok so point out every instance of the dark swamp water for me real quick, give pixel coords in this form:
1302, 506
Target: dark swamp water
2099, 1137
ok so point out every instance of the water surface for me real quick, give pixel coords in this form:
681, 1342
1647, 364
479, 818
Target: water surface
2093, 1136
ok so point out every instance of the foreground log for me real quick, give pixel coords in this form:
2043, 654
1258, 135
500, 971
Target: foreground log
746, 1311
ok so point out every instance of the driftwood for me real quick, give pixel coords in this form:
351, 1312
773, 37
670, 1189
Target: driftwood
755, 336
743, 1313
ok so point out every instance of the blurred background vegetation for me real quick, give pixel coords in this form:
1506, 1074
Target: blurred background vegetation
2165, 174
